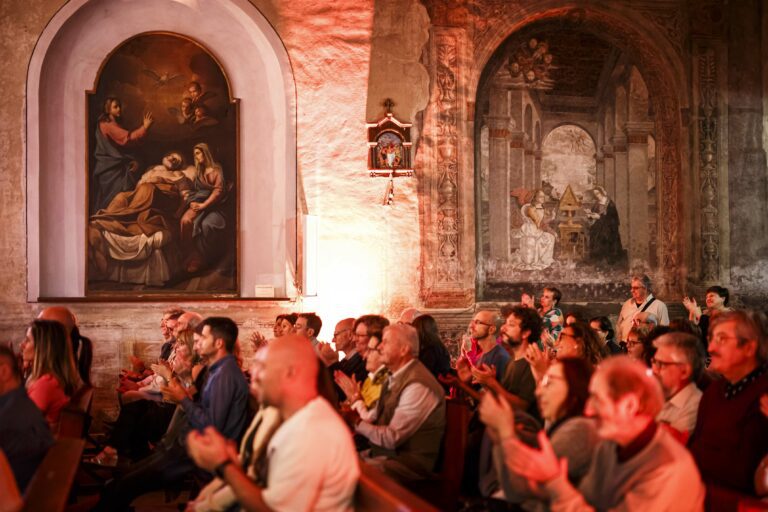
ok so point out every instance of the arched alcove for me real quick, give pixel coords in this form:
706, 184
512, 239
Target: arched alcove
604, 115
64, 65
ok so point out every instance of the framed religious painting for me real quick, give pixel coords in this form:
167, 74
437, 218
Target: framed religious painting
162, 170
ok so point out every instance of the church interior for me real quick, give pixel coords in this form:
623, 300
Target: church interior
254, 158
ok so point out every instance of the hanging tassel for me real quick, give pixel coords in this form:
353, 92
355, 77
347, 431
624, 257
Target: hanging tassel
389, 193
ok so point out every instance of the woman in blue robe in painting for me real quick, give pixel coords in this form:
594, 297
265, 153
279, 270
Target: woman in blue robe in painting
203, 224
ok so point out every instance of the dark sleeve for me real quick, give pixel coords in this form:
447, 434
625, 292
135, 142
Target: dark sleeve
221, 408
165, 350
518, 380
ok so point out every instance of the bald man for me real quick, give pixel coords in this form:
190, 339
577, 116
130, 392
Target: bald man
82, 348
312, 460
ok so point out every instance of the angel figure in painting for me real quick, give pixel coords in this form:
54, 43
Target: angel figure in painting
537, 241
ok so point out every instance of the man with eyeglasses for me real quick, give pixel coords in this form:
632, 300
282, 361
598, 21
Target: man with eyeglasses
636, 465
642, 301
677, 364
731, 435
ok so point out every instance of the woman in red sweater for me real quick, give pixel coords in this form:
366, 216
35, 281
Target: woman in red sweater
54, 377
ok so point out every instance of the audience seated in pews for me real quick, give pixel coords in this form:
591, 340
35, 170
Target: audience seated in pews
677, 364
312, 461
222, 403
636, 466
24, 434
730, 437
364, 399
576, 339
406, 431
53, 378
562, 395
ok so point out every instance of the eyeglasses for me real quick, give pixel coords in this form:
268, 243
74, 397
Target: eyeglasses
632, 343
479, 322
720, 339
339, 332
663, 364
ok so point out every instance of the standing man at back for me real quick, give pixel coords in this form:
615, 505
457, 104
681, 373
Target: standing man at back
642, 301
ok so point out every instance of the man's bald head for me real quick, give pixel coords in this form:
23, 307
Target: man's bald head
188, 320
59, 314
289, 373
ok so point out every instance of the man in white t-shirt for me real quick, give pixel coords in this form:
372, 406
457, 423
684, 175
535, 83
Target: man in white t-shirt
642, 301
311, 459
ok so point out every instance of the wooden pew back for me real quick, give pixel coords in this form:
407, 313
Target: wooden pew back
377, 492
76, 415
51, 484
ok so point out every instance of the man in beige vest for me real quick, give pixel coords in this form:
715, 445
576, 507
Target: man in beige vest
407, 428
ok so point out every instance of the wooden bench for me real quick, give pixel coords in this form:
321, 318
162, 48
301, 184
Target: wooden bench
51, 484
376, 492
444, 491
76, 415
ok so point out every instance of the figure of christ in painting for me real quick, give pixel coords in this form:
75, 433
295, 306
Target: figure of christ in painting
115, 168
537, 241
133, 239
604, 237
203, 223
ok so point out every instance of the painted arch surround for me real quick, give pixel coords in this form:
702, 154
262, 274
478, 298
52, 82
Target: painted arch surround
65, 64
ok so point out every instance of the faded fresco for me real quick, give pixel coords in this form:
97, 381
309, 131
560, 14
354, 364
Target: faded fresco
162, 172
568, 224
576, 205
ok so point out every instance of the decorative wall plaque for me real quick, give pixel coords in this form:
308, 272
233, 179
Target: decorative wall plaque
389, 150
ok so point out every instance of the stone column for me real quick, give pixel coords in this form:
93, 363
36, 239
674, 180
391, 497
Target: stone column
498, 185
609, 172
599, 168
529, 173
516, 159
637, 161
621, 190
537, 167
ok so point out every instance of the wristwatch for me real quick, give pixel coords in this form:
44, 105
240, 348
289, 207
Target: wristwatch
219, 470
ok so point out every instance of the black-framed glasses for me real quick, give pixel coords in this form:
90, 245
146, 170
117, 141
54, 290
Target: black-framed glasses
663, 364
481, 323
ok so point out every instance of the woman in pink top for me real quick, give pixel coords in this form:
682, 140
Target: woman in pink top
54, 377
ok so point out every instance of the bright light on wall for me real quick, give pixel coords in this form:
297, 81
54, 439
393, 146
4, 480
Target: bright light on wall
310, 243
